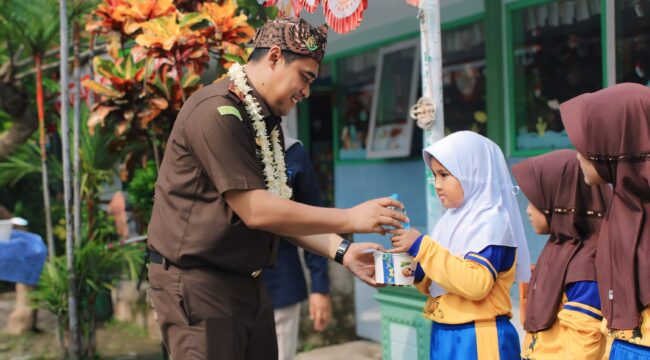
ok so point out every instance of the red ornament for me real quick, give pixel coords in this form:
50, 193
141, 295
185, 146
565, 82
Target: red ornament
297, 7
344, 15
269, 3
309, 5
415, 3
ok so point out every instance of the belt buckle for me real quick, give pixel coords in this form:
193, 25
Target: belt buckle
256, 273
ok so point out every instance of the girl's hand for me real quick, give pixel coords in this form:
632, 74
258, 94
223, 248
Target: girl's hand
403, 239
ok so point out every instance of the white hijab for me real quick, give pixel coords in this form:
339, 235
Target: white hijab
489, 214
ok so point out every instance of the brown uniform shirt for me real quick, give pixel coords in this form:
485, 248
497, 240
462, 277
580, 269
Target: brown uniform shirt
208, 154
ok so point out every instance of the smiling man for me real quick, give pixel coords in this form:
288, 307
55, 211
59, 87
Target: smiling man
222, 199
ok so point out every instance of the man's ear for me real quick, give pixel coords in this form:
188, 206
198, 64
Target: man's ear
273, 56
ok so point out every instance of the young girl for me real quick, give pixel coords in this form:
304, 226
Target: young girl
611, 131
476, 252
563, 311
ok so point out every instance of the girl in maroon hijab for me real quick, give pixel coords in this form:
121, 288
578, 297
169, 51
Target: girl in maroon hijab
563, 314
611, 131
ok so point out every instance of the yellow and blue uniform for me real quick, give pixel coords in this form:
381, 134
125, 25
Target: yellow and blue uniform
576, 332
629, 344
471, 320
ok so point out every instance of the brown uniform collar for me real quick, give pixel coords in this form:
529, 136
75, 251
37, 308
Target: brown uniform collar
265, 111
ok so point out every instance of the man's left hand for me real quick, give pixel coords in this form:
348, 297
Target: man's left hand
320, 310
360, 261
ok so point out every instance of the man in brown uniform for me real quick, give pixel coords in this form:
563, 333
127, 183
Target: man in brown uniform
220, 201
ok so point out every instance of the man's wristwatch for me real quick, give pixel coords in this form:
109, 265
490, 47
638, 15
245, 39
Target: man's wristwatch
341, 250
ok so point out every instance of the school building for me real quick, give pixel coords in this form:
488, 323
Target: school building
507, 65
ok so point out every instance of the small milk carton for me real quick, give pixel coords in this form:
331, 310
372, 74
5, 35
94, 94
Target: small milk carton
394, 268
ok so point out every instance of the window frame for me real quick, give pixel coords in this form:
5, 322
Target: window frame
402, 152
511, 126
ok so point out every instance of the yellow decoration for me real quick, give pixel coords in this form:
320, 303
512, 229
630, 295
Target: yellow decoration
480, 117
541, 126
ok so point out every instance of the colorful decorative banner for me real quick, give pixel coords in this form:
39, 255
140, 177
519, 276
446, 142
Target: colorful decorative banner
285, 6
309, 5
297, 7
344, 15
341, 15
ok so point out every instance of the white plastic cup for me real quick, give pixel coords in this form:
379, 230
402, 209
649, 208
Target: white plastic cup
394, 268
5, 230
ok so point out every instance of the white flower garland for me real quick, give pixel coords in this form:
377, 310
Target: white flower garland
275, 169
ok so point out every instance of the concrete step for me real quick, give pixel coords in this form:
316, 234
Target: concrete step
355, 350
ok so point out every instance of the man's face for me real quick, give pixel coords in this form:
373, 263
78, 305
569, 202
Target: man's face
289, 83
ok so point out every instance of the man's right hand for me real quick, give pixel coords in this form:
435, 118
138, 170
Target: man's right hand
371, 216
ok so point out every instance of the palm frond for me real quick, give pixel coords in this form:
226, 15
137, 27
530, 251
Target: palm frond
24, 161
35, 23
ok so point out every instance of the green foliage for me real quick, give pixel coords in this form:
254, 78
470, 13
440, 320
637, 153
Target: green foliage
257, 14
50, 85
141, 191
97, 268
5, 119
26, 160
234, 58
19, 22
104, 230
52, 292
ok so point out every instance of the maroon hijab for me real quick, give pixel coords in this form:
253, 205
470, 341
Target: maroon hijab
611, 127
554, 184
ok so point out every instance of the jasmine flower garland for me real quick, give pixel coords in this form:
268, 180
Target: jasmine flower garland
275, 170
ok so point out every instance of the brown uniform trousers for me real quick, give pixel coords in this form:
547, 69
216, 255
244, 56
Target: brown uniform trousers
235, 310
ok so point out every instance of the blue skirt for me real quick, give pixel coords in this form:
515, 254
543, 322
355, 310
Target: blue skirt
622, 350
459, 342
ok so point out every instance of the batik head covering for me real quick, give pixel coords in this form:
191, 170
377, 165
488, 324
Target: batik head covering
611, 128
554, 184
293, 34
489, 214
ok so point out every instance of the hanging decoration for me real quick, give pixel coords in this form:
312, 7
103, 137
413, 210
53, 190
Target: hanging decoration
424, 112
285, 7
344, 15
297, 7
310, 5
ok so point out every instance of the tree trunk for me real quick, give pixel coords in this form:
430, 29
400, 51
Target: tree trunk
14, 100
60, 335
91, 344
91, 50
44, 177
75, 147
154, 149
67, 193
90, 210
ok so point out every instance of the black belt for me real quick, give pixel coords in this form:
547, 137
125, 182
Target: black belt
156, 258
